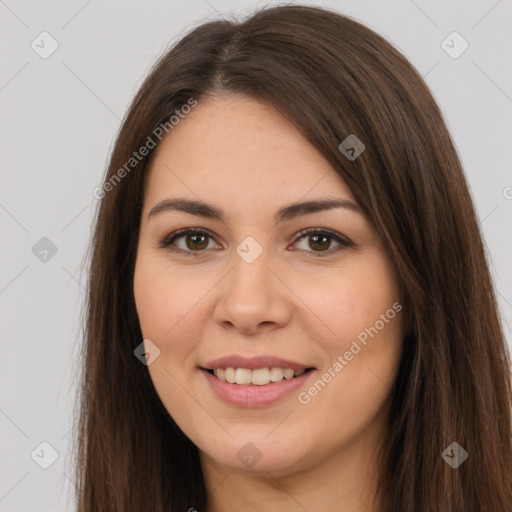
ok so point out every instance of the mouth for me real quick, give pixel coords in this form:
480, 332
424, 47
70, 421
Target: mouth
254, 388
256, 377
253, 380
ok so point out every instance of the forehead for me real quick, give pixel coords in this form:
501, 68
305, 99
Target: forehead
239, 151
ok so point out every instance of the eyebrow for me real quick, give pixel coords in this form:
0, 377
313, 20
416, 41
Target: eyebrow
287, 212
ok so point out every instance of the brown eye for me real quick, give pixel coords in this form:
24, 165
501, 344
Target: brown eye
194, 242
319, 241
188, 241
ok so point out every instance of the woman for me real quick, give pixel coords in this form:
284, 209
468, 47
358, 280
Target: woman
289, 302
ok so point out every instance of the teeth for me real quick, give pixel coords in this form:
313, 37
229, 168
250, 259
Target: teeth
259, 377
220, 373
276, 374
288, 373
243, 376
230, 375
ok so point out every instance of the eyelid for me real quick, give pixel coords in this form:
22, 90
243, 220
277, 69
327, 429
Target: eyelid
167, 240
342, 240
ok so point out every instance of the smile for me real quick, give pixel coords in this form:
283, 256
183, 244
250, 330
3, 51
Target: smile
241, 393
258, 377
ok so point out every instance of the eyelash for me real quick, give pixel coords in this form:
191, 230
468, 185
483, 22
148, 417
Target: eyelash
170, 239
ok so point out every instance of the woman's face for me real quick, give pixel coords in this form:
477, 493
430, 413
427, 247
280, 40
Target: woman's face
246, 289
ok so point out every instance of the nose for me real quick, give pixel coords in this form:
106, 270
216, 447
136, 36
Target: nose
253, 298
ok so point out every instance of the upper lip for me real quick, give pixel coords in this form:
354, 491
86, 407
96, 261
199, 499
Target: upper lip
254, 362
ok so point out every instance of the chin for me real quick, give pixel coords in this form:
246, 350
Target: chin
278, 456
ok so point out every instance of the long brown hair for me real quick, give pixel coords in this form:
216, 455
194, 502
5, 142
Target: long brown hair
332, 77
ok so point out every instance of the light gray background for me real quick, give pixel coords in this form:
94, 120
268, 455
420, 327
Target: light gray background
58, 120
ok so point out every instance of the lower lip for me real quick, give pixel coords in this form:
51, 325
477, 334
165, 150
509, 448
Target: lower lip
252, 395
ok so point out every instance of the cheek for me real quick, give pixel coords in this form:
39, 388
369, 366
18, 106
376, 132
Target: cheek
168, 306
352, 299
363, 310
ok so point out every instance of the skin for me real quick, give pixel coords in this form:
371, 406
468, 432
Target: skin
244, 157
